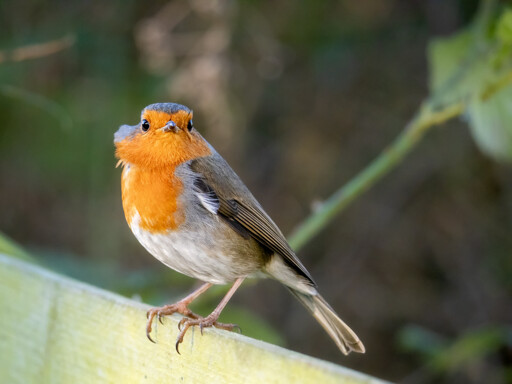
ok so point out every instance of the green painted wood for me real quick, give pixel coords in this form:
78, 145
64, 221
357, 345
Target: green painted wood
56, 330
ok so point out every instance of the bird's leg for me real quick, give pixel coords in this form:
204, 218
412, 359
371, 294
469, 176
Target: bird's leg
211, 319
179, 307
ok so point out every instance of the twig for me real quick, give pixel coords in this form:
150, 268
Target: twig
387, 160
432, 113
35, 51
429, 116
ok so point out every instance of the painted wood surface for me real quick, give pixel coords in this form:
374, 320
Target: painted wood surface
56, 330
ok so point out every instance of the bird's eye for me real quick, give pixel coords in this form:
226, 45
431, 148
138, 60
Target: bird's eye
190, 125
145, 125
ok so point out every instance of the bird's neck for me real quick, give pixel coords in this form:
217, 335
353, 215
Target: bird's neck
151, 198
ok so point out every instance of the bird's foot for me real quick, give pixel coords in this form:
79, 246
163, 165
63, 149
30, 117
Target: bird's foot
202, 322
167, 310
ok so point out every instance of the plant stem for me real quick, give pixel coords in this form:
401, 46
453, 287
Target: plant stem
426, 118
430, 114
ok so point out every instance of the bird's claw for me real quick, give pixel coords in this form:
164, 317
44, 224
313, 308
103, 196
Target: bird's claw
181, 322
203, 322
149, 337
190, 320
181, 335
150, 315
167, 310
227, 327
160, 312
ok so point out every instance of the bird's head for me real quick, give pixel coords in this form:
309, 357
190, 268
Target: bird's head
165, 136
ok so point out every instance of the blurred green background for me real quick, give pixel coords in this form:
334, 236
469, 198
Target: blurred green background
298, 97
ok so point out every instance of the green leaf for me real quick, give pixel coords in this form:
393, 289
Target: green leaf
413, 338
503, 36
491, 124
441, 355
445, 57
467, 67
504, 27
470, 347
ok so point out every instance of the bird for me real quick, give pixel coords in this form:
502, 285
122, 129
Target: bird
192, 212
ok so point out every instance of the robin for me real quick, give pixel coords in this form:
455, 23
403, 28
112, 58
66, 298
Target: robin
190, 210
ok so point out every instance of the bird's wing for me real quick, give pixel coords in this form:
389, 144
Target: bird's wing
223, 191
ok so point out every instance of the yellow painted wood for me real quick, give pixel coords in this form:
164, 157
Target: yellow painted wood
56, 330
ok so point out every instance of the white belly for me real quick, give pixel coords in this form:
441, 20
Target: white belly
202, 252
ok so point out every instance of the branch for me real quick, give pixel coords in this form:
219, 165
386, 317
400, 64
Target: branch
429, 115
35, 51
425, 119
433, 112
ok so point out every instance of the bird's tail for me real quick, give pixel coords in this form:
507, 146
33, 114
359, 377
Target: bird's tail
343, 336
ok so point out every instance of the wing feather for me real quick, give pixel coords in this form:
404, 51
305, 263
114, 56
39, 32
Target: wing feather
239, 207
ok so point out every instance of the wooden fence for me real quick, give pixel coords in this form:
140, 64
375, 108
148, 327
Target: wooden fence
54, 329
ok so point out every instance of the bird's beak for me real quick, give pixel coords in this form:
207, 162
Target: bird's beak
170, 127
124, 132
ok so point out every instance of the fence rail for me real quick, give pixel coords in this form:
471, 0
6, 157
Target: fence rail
54, 329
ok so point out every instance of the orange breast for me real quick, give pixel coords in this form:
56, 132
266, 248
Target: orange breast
154, 195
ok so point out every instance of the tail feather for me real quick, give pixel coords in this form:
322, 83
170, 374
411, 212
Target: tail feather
343, 336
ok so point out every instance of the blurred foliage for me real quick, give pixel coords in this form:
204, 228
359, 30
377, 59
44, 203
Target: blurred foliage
469, 65
298, 97
446, 358
489, 121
